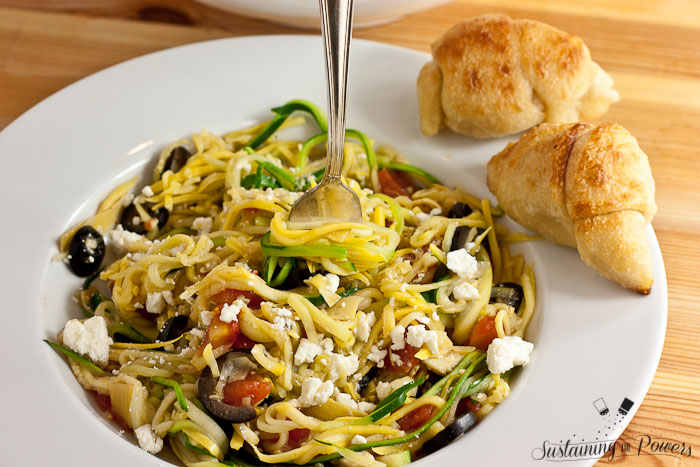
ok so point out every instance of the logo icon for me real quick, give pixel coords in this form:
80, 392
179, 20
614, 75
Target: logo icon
602, 407
625, 406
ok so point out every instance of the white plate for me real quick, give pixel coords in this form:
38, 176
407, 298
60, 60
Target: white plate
305, 13
592, 338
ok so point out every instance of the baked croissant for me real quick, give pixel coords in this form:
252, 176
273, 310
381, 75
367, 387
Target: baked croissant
585, 186
493, 76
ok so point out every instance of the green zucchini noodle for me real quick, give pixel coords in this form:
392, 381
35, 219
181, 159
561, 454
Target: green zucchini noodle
358, 339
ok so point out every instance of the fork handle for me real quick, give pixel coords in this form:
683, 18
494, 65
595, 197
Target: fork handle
336, 29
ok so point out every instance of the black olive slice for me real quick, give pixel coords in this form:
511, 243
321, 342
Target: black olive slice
459, 210
173, 328
206, 387
454, 430
366, 379
130, 215
176, 160
509, 293
86, 251
162, 215
459, 239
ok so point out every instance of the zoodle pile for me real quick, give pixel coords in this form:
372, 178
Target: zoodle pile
240, 341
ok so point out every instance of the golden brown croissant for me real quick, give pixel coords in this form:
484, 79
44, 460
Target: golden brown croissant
585, 186
493, 76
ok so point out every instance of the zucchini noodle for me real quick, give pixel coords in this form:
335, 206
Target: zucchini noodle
325, 336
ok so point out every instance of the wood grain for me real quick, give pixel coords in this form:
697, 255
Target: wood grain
651, 48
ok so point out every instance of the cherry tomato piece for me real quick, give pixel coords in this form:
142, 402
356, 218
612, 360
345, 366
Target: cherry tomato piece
220, 333
249, 391
394, 183
467, 404
297, 437
230, 295
244, 342
407, 360
483, 333
416, 418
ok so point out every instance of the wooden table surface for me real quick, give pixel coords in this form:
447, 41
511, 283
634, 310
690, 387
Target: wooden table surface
650, 47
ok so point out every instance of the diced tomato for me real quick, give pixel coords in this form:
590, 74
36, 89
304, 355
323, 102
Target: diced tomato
297, 437
467, 404
407, 359
105, 405
394, 183
220, 334
244, 342
416, 418
483, 333
230, 295
249, 391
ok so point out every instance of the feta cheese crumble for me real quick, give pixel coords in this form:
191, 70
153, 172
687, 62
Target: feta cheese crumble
124, 240
465, 291
315, 392
366, 407
147, 191
206, 316
423, 320
422, 217
332, 283
167, 296
506, 352
383, 390
346, 400
462, 263
88, 338
342, 366
91, 244
282, 320
418, 335
229, 312
397, 338
148, 440
155, 302
364, 325
377, 355
307, 350
202, 225
127, 199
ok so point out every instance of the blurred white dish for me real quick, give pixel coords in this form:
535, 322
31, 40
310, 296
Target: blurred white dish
305, 14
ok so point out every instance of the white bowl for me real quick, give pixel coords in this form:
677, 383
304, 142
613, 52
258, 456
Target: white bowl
305, 13
593, 339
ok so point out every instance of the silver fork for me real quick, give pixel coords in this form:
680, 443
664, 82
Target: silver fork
331, 201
